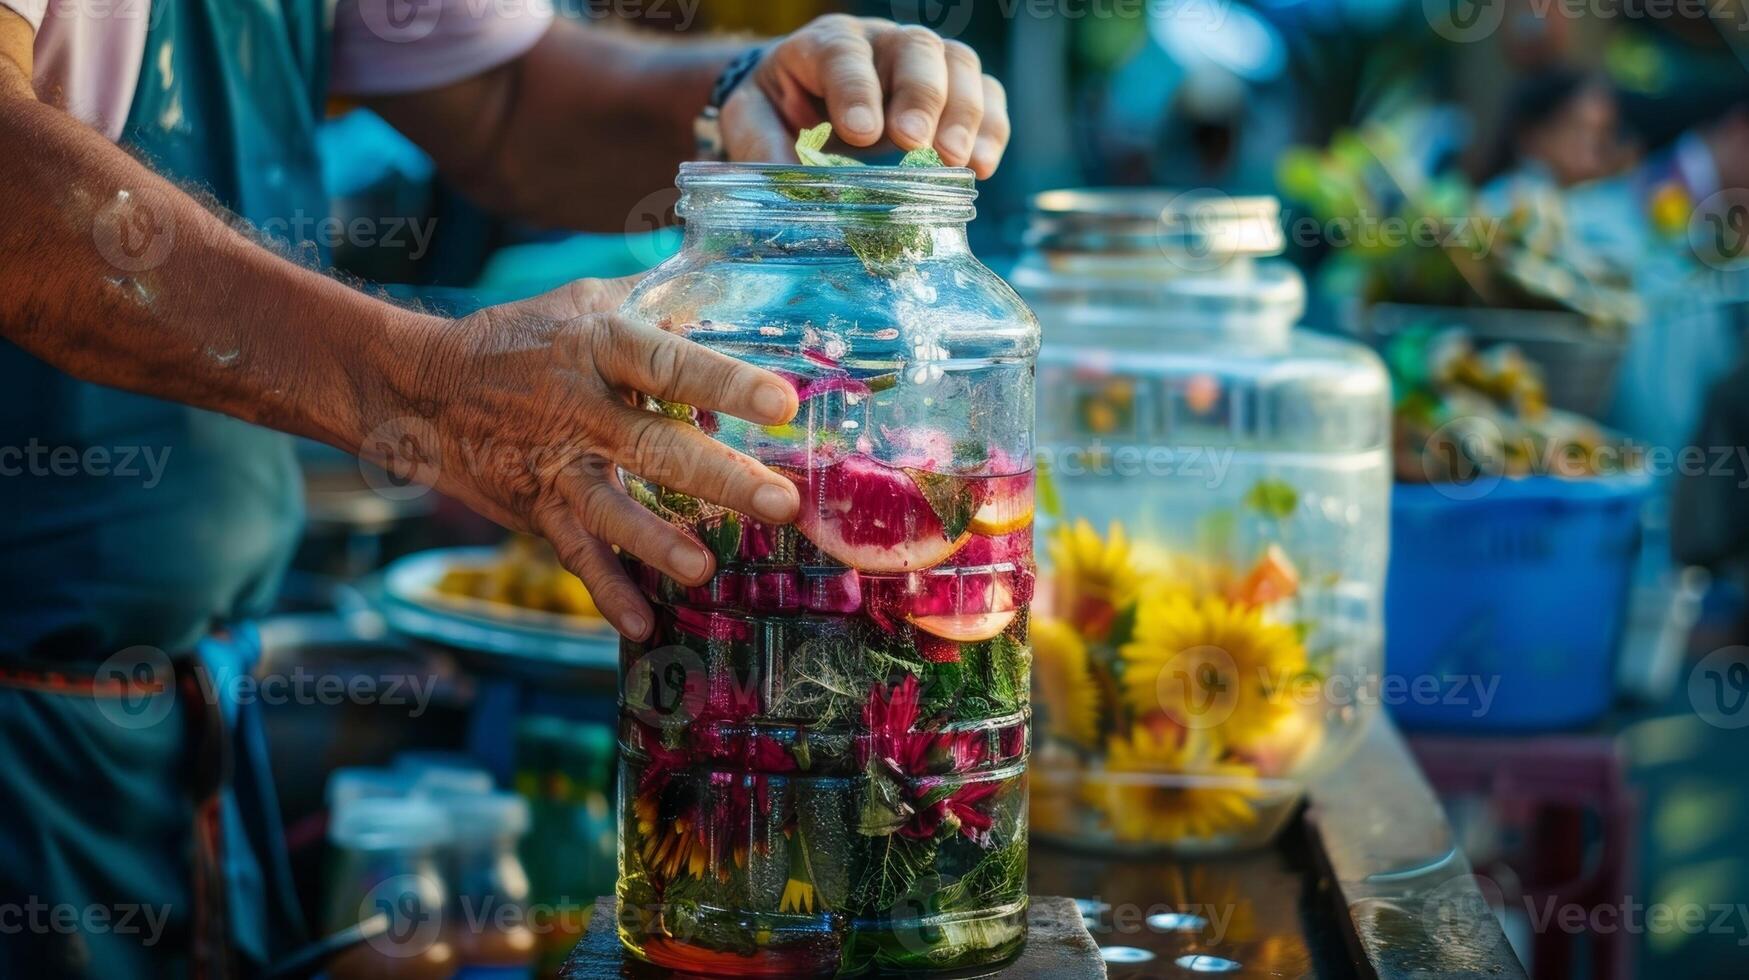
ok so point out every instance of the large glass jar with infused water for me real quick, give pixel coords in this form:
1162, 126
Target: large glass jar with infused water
1215, 494
823, 749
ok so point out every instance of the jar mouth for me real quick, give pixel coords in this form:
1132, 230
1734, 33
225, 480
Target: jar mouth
921, 195
1156, 221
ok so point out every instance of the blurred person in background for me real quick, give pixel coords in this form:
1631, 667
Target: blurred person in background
1562, 128
150, 342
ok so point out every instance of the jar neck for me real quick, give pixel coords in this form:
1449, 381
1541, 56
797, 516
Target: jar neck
868, 210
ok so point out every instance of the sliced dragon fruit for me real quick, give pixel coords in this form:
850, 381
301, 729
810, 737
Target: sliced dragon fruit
962, 606
774, 590
878, 518
832, 590
710, 625
1013, 548
966, 627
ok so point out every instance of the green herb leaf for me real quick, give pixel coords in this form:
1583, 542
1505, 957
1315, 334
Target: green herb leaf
1273, 498
922, 157
722, 536
1045, 489
949, 496
999, 877
811, 149
998, 673
883, 382
1123, 627
884, 809
891, 865
884, 245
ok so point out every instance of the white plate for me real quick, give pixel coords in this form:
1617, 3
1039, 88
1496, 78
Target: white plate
412, 605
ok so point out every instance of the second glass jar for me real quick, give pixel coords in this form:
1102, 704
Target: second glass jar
1209, 616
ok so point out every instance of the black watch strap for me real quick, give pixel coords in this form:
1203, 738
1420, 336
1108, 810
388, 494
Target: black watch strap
708, 129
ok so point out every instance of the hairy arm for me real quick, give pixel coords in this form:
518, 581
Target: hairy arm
114, 275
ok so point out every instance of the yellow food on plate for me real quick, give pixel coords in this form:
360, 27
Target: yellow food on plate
524, 574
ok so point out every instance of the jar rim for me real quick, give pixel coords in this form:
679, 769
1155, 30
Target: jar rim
777, 190
1152, 219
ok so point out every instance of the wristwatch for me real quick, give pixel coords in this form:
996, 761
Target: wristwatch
707, 129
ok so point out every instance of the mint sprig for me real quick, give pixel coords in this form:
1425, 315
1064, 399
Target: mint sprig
884, 244
811, 149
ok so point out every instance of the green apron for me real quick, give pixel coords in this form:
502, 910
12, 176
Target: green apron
139, 822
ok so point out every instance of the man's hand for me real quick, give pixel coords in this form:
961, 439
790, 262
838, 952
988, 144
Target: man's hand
875, 79
527, 415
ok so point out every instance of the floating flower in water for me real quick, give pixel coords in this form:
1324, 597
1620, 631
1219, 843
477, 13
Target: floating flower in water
894, 753
684, 828
1208, 662
1066, 692
1204, 797
798, 891
798, 897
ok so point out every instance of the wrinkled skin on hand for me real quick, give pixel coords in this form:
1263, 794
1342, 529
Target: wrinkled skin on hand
876, 80
524, 412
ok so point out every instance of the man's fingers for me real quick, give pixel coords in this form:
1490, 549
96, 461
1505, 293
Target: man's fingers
964, 115
581, 297
680, 457
993, 133
753, 129
675, 369
916, 68
607, 514
590, 559
834, 61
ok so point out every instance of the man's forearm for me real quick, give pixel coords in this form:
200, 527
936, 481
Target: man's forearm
585, 123
112, 274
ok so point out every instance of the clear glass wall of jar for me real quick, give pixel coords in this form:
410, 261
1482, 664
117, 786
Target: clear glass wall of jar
1208, 629
823, 750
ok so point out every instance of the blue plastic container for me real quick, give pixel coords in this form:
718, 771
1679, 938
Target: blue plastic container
1506, 601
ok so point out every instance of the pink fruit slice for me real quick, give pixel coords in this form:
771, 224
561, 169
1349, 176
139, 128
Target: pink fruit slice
872, 517
965, 627
1005, 505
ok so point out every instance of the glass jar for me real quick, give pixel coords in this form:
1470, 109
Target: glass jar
823, 749
387, 861
489, 916
1208, 628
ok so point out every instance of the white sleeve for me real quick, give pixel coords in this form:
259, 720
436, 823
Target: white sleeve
31, 10
386, 47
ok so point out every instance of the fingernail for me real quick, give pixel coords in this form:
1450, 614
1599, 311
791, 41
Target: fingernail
987, 150
957, 140
773, 502
635, 625
915, 126
688, 561
859, 119
770, 401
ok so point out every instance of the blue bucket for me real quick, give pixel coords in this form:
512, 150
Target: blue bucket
1506, 601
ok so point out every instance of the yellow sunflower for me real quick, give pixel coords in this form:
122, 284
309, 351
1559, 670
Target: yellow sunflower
667, 850
1093, 577
1194, 796
1064, 689
1210, 663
